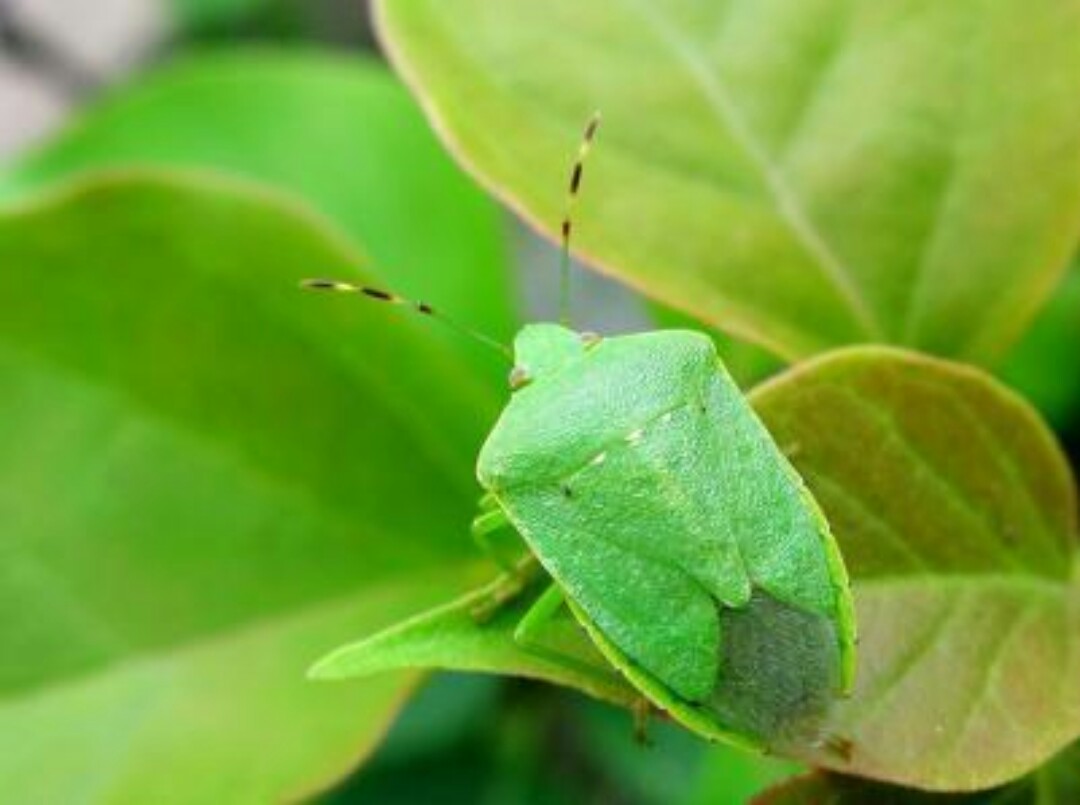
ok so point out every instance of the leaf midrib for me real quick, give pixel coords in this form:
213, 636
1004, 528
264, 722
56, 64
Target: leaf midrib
991, 669
786, 201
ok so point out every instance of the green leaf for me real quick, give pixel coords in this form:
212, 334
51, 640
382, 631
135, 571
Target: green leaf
803, 174
956, 513
339, 132
1057, 783
451, 637
202, 489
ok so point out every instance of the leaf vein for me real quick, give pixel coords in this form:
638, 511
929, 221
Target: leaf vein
787, 202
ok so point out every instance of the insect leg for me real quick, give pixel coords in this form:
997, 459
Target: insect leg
488, 503
486, 524
641, 710
530, 634
509, 586
541, 613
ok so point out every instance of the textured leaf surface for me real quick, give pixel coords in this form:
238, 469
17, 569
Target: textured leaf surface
339, 132
806, 174
957, 517
200, 491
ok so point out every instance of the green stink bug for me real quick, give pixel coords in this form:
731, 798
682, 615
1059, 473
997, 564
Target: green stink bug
670, 523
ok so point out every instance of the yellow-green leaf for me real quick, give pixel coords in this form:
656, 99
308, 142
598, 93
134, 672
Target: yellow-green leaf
804, 173
956, 513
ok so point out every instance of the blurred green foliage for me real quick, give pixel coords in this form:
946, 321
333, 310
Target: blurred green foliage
1045, 365
469, 739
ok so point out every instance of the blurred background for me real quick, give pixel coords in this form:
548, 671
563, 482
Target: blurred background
58, 55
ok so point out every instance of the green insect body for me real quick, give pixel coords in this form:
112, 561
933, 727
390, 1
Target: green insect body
648, 489
676, 531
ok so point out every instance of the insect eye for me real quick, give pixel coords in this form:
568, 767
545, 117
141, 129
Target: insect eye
590, 339
519, 377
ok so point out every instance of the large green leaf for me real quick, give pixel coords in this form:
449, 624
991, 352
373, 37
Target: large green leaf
956, 514
805, 174
202, 489
340, 132
957, 517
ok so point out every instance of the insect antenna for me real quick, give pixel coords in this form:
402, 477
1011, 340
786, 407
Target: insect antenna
420, 307
568, 209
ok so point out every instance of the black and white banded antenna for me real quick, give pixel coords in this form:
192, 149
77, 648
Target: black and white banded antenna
423, 308
574, 186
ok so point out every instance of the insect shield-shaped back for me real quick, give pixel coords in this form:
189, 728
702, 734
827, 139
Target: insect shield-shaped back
685, 543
